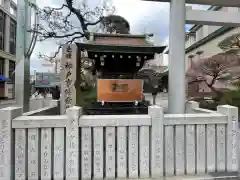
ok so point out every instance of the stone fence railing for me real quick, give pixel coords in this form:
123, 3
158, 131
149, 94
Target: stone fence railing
75, 146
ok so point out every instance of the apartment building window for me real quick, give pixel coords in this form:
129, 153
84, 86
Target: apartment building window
2, 28
190, 61
1, 66
11, 79
13, 11
200, 54
12, 44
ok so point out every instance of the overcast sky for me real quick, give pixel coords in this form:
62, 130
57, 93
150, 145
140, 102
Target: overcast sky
144, 17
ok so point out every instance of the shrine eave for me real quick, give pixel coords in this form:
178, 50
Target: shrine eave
121, 48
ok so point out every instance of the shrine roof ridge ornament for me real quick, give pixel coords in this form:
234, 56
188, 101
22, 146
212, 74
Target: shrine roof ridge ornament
116, 18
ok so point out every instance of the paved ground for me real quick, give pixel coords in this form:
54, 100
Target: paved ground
161, 100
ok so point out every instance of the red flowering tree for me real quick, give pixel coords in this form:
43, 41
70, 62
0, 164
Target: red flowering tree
220, 68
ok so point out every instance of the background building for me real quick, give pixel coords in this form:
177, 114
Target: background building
46, 80
8, 26
202, 41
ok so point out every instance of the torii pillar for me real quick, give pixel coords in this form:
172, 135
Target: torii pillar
22, 69
176, 89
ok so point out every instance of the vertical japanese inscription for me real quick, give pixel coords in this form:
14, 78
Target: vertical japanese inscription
133, 152
190, 149
121, 150
98, 152
86, 153
110, 152
33, 154
169, 151
72, 148
20, 156
201, 145
234, 144
68, 81
46, 153
157, 138
144, 151
4, 149
211, 150
179, 149
221, 152
58, 153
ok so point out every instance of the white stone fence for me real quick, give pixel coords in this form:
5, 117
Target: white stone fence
34, 102
51, 108
39, 102
193, 107
75, 146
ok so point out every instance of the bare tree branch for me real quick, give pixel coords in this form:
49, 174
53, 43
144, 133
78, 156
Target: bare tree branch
94, 23
67, 23
51, 58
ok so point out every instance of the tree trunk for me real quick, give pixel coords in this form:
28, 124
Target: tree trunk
218, 94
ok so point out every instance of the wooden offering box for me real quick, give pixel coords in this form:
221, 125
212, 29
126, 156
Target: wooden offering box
119, 90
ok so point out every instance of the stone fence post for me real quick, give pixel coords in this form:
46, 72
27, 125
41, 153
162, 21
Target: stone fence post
72, 142
157, 116
232, 136
54, 103
6, 141
190, 105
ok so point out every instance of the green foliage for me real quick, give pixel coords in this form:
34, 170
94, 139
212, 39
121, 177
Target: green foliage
87, 97
208, 104
231, 98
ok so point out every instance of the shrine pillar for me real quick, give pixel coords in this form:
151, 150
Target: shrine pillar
69, 73
176, 90
22, 70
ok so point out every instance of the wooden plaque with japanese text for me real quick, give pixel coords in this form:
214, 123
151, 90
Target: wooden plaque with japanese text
119, 90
